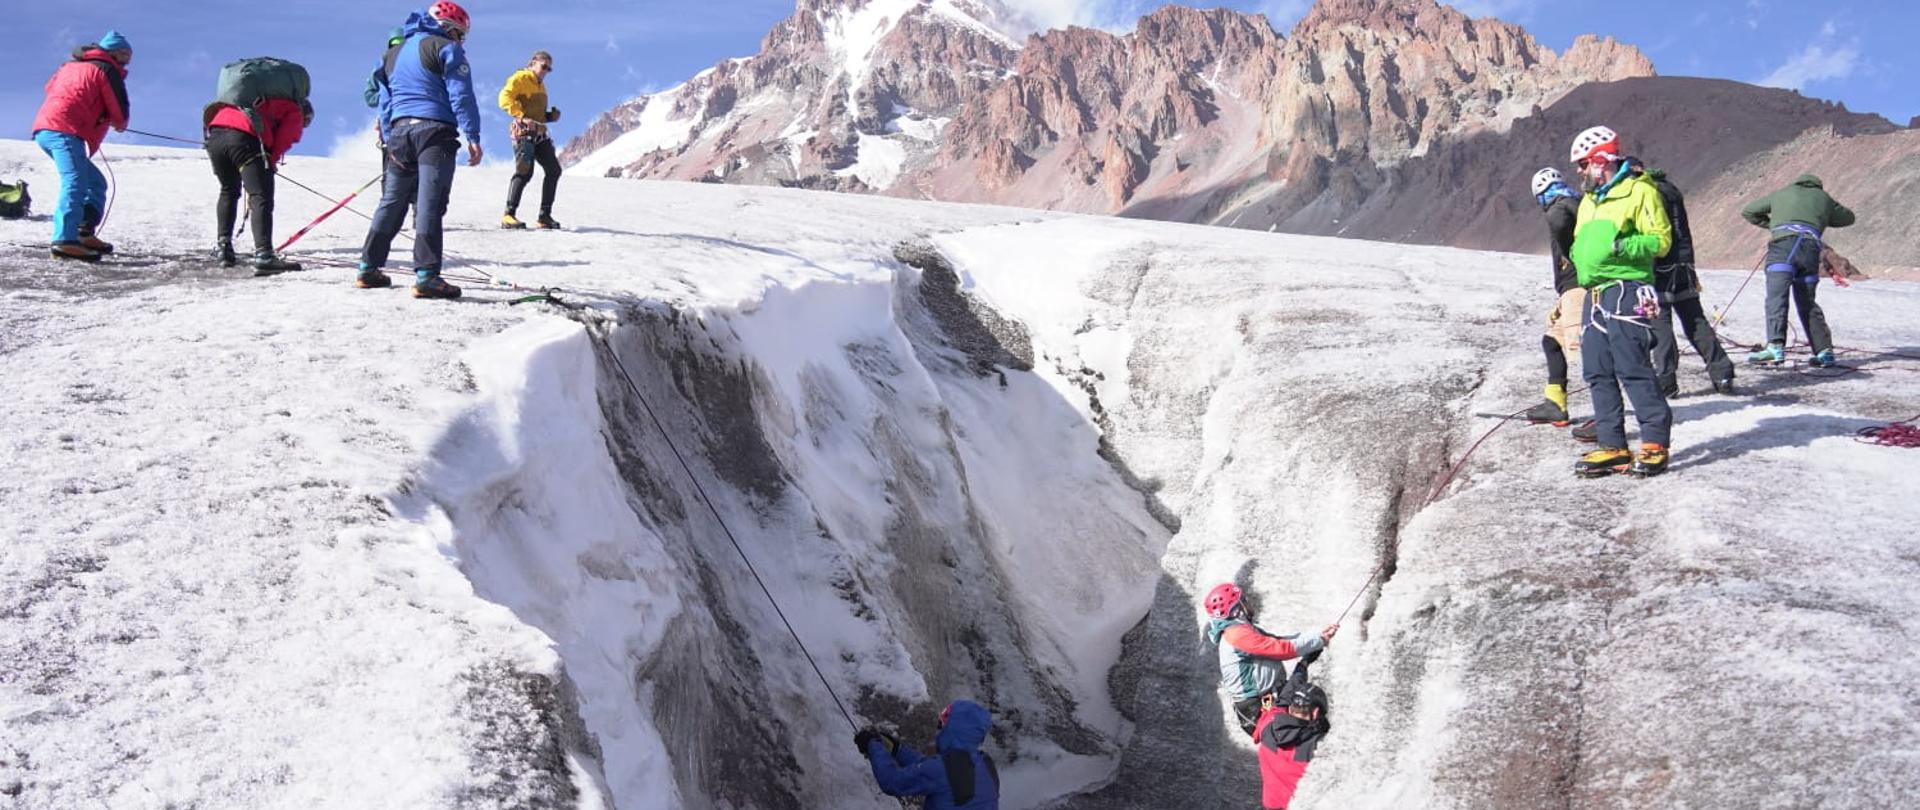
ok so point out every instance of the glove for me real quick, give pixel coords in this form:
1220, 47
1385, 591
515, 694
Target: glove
553, 114
871, 734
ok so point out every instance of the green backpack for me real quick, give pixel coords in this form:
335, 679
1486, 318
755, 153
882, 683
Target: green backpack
15, 202
245, 82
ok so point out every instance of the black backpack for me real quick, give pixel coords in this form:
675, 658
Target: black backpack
15, 202
960, 774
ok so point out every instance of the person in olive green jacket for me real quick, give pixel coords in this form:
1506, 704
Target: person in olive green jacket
1798, 217
1621, 229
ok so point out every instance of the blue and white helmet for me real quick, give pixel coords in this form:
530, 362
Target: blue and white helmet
1545, 178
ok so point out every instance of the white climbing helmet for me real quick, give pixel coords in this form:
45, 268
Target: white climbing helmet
1594, 141
1544, 178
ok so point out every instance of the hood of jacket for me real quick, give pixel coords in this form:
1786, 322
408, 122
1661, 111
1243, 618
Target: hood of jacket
95, 53
1218, 627
1286, 731
966, 728
420, 22
1807, 181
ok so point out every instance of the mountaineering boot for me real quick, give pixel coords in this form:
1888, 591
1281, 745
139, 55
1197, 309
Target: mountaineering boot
1606, 461
430, 285
1547, 413
1823, 360
223, 252
1770, 354
93, 243
74, 250
371, 279
547, 223
267, 264
1651, 461
511, 222
1586, 432
1723, 387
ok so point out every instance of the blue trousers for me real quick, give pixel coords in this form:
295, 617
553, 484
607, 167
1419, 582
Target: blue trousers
420, 174
82, 186
1615, 353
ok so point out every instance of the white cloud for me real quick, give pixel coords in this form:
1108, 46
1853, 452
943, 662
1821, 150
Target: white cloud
1815, 63
1284, 13
363, 144
1509, 10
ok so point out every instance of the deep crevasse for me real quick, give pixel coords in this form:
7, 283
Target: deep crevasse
880, 482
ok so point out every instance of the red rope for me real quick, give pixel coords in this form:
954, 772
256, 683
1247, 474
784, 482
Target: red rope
1896, 434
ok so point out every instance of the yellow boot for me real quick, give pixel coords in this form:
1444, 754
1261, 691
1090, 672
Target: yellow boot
512, 223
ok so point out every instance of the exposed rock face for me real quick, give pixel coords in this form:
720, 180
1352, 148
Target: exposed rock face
843, 95
1359, 123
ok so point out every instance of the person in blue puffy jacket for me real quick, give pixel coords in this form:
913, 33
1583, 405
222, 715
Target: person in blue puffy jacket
958, 777
426, 105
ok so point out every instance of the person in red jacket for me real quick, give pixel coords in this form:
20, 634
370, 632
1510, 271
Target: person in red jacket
1289, 730
243, 157
85, 97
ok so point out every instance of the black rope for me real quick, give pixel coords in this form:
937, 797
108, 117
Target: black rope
668, 438
195, 142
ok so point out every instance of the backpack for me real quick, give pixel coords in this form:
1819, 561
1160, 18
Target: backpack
961, 775
15, 202
246, 82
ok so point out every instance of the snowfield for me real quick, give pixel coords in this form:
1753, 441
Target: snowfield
282, 543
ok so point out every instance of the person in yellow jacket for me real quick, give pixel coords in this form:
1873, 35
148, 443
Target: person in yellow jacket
525, 98
1622, 227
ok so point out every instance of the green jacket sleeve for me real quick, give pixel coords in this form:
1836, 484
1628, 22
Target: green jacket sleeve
1653, 232
1840, 216
1759, 212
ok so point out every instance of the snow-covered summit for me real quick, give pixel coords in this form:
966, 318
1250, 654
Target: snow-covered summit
284, 543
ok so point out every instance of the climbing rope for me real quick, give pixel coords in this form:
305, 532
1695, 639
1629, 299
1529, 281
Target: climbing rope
329, 212
1893, 434
668, 438
113, 190
193, 141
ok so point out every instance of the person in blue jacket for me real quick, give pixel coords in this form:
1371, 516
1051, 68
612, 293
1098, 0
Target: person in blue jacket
959, 777
425, 108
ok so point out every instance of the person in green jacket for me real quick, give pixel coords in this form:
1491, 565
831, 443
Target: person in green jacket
1798, 217
1621, 229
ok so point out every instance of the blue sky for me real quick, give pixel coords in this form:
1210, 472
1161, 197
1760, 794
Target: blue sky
1860, 52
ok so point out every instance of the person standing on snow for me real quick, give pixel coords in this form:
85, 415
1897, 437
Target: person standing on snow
1621, 230
959, 777
428, 105
84, 97
1562, 339
1680, 296
240, 156
1251, 667
525, 98
1289, 729
1798, 217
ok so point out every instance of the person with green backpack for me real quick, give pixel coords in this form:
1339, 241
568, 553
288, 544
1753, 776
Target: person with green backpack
260, 113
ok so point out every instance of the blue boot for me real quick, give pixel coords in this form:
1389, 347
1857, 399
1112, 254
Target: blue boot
1770, 354
1824, 360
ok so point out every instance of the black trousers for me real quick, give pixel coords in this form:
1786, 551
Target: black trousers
238, 161
527, 152
1697, 328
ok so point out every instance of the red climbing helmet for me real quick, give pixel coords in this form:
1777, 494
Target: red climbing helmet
450, 14
1222, 600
